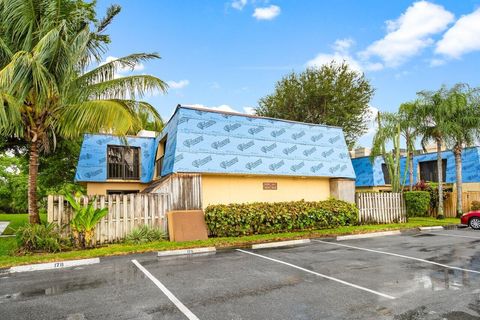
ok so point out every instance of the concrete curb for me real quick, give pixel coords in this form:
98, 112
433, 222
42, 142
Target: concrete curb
279, 244
430, 228
54, 265
186, 251
368, 235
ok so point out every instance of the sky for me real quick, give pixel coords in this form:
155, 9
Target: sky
228, 54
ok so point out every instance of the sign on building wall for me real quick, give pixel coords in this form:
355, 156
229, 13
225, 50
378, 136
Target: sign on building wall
269, 186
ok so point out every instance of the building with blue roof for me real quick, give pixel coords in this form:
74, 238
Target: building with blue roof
231, 157
372, 175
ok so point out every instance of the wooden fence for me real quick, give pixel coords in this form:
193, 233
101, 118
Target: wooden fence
125, 212
381, 207
450, 204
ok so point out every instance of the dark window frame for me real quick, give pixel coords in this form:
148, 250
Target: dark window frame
119, 169
159, 161
428, 170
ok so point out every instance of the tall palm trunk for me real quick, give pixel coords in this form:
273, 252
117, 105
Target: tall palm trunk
457, 151
410, 169
440, 178
33, 215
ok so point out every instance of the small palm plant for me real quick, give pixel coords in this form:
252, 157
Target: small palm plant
84, 221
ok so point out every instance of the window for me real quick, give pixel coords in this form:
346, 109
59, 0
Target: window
123, 163
160, 155
386, 174
159, 165
429, 172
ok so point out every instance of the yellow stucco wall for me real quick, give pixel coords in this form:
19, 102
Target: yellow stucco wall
224, 189
100, 188
470, 186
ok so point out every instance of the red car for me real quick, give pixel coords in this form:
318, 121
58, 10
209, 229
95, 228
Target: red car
472, 219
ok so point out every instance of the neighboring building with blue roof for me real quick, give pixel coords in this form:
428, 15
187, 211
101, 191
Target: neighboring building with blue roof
374, 176
235, 157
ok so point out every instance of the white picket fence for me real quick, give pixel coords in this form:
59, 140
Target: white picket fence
125, 212
381, 207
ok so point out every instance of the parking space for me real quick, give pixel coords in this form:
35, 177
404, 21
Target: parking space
422, 275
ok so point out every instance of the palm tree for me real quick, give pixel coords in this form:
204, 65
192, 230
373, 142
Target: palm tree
46, 87
436, 124
389, 131
408, 118
464, 128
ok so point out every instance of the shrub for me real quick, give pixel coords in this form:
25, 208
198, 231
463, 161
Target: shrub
264, 217
432, 188
417, 203
475, 205
145, 234
40, 238
84, 220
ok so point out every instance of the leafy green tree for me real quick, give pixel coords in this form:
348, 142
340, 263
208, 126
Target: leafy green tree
409, 122
332, 94
435, 112
13, 183
389, 131
465, 127
48, 88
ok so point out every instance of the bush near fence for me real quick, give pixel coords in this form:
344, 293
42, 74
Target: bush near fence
263, 217
417, 203
125, 213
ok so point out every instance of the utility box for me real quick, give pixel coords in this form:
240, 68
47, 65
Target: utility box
187, 225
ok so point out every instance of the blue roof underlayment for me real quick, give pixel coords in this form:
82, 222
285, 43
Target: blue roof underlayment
92, 163
371, 175
206, 141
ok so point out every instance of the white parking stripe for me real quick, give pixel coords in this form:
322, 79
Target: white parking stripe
399, 255
450, 235
189, 314
319, 274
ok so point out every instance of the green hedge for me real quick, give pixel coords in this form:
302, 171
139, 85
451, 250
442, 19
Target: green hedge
417, 203
263, 217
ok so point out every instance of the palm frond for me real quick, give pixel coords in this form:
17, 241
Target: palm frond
126, 87
10, 116
109, 116
112, 11
107, 71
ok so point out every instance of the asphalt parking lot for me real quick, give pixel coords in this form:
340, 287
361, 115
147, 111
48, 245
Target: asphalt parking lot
416, 275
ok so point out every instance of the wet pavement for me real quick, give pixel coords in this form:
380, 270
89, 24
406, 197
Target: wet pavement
376, 278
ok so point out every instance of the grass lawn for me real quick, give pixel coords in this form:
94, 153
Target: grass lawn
8, 245
16, 220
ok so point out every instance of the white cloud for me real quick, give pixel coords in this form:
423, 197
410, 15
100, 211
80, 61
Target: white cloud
266, 13
341, 53
249, 110
462, 38
326, 58
343, 45
410, 33
370, 118
238, 4
222, 107
178, 84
